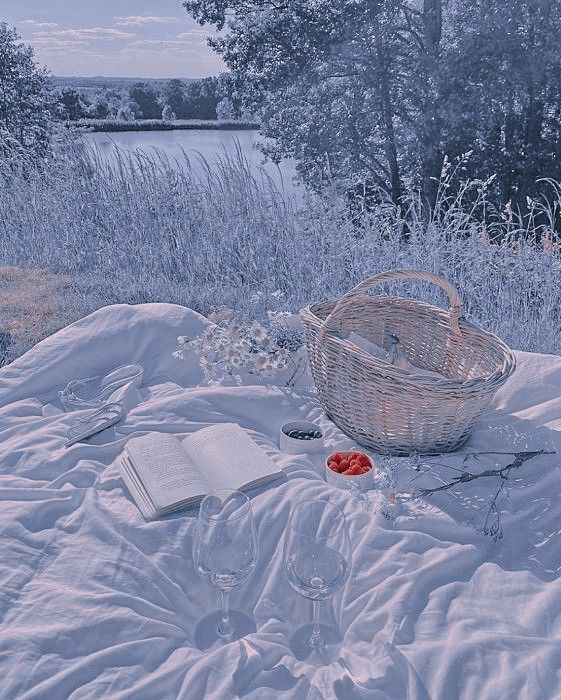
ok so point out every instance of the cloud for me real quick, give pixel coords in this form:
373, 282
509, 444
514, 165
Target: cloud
55, 44
40, 25
89, 33
158, 46
134, 20
194, 34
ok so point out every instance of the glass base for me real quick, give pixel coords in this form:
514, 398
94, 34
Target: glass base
323, 655
207, 634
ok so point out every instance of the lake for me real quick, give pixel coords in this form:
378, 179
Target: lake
208, 143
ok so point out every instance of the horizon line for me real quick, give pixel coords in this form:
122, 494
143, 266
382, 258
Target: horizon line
135, 77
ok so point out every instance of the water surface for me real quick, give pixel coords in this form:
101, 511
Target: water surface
198, 144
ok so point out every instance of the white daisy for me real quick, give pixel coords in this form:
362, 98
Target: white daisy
209, 335
258, 332
261, 359
207, 365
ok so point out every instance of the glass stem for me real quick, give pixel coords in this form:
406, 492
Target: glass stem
225, 628
316, 638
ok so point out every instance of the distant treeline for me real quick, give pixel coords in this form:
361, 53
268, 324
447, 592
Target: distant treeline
127, 101
110, 125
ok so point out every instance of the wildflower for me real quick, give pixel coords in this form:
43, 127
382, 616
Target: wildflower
209, 335
221, 345
234, 356
261, 359
206, 364
258, 333
229, 345
222, 315
234, 330
269, 368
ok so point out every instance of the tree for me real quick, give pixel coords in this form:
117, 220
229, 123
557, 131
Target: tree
230, 106
376, 92
25, 98
174, 96
225, 109
114, 101
431, 70
100, 107
125, 114
72, 104
146, 98
201, 99
503, 93
168, 115
330, 81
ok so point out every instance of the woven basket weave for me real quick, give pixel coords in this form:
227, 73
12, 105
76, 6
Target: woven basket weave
394, 410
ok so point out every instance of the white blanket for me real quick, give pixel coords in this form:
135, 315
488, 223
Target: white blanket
97, 603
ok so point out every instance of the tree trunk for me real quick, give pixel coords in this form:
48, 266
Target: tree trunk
508, 178
390, 145
431, 152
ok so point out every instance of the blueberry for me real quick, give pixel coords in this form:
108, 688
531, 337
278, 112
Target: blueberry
305, 434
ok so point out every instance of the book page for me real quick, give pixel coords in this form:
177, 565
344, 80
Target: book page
136, 489
227, 457
165, 469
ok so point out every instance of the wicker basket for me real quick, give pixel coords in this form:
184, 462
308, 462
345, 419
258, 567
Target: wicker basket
400, 411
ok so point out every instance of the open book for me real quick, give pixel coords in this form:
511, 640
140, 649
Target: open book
165, 474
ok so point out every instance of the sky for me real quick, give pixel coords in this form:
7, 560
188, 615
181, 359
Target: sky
118, 38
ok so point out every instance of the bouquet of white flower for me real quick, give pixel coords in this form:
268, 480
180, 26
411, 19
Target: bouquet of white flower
231, 346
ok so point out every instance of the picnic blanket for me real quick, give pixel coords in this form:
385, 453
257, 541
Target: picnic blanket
453, 593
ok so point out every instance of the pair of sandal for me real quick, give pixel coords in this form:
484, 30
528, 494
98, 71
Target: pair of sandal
108, 396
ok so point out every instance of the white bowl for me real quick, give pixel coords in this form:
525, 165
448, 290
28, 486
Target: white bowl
346, 481
297, 446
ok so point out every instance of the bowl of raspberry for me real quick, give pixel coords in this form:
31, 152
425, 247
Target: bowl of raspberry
348, 468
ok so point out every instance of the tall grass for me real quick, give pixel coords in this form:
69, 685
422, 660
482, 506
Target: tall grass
142, 228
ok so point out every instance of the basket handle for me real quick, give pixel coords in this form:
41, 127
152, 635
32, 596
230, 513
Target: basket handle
347, 299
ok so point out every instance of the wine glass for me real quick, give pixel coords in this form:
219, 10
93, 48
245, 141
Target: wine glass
317, 559
225, 551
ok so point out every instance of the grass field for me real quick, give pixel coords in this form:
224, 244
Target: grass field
145, 229
35, 303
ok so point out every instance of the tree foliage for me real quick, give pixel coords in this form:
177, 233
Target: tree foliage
502, 92
380, 91
25, 99
195, 99
71, 104
168, 114
147, 99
